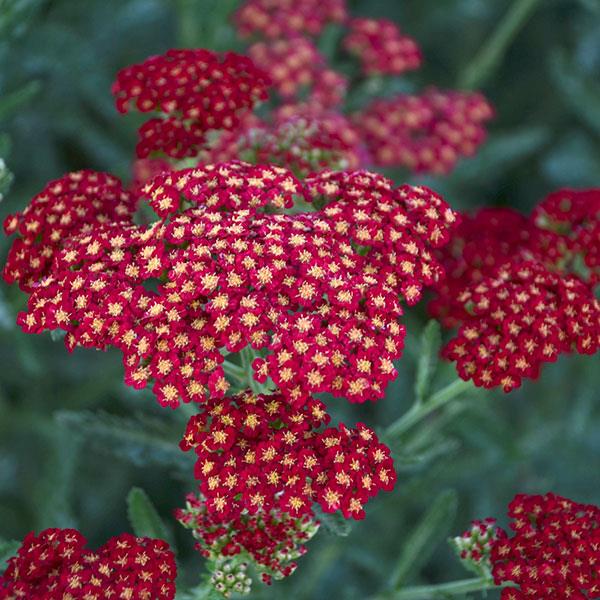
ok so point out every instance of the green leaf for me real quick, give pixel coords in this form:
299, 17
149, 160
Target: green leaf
57, 335
53, 490
12, 102
411, 461
5, 145
431, 342
8, 549
143, 516
484, 63
141, 442
580, 94
330, 40
334, 523
422, 541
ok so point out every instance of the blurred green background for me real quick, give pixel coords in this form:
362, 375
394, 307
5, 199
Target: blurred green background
74, 440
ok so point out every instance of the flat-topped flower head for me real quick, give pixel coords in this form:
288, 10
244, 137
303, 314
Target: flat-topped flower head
516, 289
483, 243
284, 18
293, 64
269, 541
230, 264
195, 91
426, 133
257, 453
55, 565
381, 47
519, 319
71, 205
554, 550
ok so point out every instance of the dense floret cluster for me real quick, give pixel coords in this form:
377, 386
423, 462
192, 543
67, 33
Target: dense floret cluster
256, 453
285, 18
195, 91
520, 318
381, 47
521, 290
298, 70
554, 553
74, 204
56, 565
429, 132
270, 541
325, 285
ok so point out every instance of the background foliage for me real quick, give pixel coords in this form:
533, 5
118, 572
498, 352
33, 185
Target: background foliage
74, 440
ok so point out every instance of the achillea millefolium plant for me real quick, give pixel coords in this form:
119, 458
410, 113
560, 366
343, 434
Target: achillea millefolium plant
258, 271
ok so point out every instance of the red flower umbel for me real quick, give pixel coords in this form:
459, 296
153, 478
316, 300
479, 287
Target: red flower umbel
554, 553
284, 18
519, 319
293, 64
257, 453
319, 291
196, 90
271, 541
521, 289
71, 205
426, 133
381, 47
55, 565
481, 244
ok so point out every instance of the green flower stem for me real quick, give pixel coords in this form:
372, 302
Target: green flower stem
188, 16
421, 410
430, 592
235, 371
483, 64
243, 374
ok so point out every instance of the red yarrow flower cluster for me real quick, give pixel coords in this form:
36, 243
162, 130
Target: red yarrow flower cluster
554, 553
518, 293
285, 18
55, 565
257, 453
73, 204
482, 243
319, 291
195, 90
520, 318
381, 47
270, 541
292, 64
426, 133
